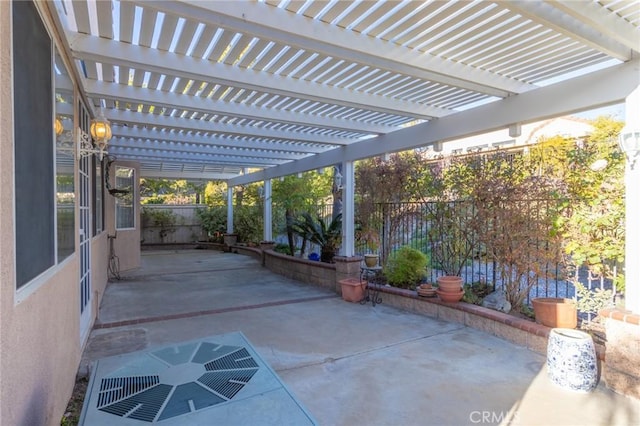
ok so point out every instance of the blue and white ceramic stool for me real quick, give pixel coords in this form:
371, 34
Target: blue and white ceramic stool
571, 360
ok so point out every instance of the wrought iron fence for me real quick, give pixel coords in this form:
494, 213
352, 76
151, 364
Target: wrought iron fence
420, 226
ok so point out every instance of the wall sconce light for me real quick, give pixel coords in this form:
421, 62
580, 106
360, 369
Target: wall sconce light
58, 127
100, 132
629, 141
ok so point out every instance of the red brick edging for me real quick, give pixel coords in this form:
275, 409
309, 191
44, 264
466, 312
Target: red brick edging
501, 317
621, 315
468, 310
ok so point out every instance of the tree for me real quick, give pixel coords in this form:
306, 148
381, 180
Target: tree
168, 191
381, 185
293, 195
512, 217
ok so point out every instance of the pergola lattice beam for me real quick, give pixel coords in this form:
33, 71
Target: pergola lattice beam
204, 175
165, 121
597, 89
230, 142
199, 148
172, 156
572, 24
272, 23
100, 50
159, 98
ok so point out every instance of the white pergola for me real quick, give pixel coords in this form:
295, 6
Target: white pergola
208, 89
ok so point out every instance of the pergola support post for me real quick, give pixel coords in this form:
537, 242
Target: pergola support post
229, 209
632, 207
267, 214
348, 208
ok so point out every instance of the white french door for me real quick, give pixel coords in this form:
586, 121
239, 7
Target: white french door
84, 187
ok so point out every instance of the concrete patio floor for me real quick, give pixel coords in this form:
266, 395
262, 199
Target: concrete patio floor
347, 364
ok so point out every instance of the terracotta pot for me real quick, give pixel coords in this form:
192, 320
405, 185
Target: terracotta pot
555, 312
450, 283
352, 289
450, 297
371, 260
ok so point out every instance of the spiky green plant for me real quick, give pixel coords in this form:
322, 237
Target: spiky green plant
328, 237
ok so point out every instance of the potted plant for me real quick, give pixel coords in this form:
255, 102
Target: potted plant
369, 239
327, 237
371, 260
450, 236
555, 312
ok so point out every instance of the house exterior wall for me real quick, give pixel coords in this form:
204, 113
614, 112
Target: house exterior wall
40, 344
127, 243
529, 133
99, 262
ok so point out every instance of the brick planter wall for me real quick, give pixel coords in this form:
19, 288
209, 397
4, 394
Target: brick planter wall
303, 270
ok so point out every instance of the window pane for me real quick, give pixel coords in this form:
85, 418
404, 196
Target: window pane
65, 193
34, 144
98, 192
124, 201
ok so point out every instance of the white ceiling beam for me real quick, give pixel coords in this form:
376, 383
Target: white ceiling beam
239, 143
197, 125
553, 16
211, 160
604, 22
601, 88
275, 24
159, 98
186, 148
164, 174
86, 47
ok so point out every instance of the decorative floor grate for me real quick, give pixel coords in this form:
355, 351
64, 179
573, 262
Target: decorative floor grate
182, 384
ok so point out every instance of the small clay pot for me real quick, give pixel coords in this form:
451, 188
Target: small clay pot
450, 297
450, 283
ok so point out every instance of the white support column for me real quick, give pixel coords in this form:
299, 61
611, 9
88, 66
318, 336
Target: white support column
229, 209
268, 218
348, 227
632, 207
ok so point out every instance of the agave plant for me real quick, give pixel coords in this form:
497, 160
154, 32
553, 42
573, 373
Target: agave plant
328, 237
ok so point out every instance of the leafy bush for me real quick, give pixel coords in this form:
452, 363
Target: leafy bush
213, 221
405, 267
166, 220
592, 301
248, 223
476, 292
282, 248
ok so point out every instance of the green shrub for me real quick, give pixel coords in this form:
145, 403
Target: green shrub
405, 267
282, 248
213, 221
248, 224
476, 292
166, 220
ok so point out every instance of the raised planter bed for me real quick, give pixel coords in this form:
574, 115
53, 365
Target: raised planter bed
520, 331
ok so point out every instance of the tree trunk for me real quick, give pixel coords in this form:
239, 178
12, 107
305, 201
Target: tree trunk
288, 215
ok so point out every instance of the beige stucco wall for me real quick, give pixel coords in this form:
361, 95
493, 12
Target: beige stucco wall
99, 259
40, 346
39, 337
127, 244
